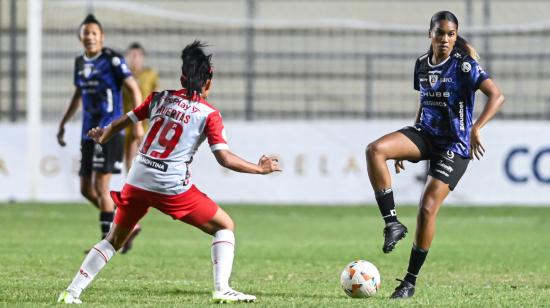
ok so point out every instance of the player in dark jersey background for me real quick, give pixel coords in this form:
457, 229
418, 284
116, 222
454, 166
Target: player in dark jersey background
447, 78
99, 75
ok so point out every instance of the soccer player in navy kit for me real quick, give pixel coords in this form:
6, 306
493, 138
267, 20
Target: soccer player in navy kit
99, 75
447, 77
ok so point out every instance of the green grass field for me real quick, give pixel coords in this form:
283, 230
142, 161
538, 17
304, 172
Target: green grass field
287, 256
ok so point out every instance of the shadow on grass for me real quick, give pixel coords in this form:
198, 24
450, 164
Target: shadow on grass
187, 292
259, 294
294, 294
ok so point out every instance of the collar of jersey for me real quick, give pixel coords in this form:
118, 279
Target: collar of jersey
92, 58
438, 65
183, 94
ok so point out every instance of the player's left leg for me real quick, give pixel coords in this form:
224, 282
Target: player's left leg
221, 226
434, 194
211, 219
446, 170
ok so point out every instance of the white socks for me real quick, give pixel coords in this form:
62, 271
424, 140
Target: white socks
223, 247
96, 259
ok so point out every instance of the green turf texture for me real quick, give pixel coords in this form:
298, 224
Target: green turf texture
288, 256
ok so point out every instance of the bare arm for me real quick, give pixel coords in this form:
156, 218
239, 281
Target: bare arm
102, 135
135, 94
496, 99
231, 161
69, 113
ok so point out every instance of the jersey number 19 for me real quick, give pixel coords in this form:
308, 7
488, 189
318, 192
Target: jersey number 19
166, 139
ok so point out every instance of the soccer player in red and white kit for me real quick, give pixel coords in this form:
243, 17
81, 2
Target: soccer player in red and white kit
159, 177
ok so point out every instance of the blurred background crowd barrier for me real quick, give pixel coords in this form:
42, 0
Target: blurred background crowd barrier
312, 81
280, 59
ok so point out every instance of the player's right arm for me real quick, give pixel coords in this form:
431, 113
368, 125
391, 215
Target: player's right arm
215, 132
69, 112
102, 134
231, 161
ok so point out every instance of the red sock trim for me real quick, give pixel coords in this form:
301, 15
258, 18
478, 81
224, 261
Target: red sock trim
102, 254
219, 242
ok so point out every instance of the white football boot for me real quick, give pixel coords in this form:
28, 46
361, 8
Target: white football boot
231, 296
66, 298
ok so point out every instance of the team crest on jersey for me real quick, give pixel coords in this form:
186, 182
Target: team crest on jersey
466, 67
88, 69
433, 80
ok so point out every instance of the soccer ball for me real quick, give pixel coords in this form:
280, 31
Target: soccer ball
360, 279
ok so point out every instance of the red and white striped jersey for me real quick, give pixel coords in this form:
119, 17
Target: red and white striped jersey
177, 128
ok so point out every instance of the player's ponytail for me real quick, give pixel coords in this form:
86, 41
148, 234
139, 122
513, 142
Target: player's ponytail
461, 43
196, 68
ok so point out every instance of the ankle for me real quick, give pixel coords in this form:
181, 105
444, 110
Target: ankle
410, 278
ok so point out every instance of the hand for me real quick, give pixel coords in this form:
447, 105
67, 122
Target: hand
269, 164
60, 135
476, 147
96, 133
399, 166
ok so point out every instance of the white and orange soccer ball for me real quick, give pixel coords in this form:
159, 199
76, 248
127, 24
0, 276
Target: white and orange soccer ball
360, 279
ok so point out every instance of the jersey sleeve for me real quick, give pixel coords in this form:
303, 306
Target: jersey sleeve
120, 68
215, 132
416, 82
75, 73
476, 73
142, 111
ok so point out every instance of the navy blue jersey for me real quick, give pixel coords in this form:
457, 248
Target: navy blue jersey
100, 81
447, 94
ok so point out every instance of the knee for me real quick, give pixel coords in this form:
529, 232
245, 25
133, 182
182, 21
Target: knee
101, 189
429, 208
374, 149
228, 225
87, 192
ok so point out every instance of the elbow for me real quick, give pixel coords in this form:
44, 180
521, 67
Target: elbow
501, 99
224, 161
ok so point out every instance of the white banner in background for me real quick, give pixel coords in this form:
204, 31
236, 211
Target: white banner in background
323, 162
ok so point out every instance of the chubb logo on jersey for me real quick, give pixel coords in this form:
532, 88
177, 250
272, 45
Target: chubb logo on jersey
435, 94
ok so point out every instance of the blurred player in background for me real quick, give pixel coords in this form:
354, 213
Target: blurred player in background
148, 81
447, 77
180, 121
99, 75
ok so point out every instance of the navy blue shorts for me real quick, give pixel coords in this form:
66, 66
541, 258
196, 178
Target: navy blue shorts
103, 158
445, 165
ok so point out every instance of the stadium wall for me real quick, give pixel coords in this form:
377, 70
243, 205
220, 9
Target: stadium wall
323, 163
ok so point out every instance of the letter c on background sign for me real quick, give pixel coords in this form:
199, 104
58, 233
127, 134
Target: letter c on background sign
536, 166
508, 165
